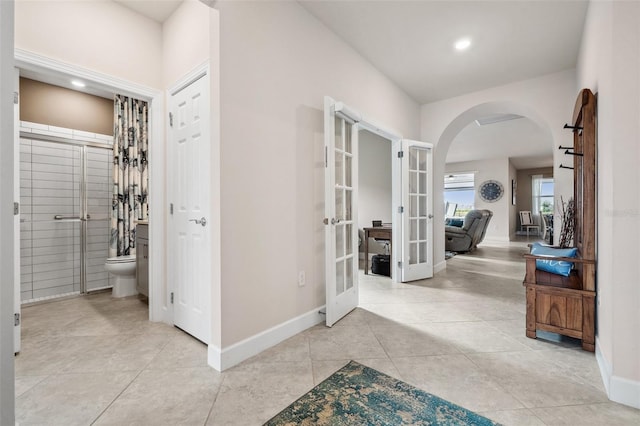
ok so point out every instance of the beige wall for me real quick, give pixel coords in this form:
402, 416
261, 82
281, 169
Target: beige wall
57, 106
277, 64
185, 40
374, 184
102, 36
609, 64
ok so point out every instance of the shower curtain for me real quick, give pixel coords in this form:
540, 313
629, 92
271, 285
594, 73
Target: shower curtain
130, 177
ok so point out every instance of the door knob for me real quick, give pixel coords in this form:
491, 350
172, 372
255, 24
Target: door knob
202, 221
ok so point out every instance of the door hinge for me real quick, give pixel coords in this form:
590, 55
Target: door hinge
16, 208
399, 264
171, 119
400, 154
16, 320
16, 98
325, 220
172, 298
171, 208
326, 157
401, 209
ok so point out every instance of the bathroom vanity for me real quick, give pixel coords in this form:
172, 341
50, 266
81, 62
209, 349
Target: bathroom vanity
142, 258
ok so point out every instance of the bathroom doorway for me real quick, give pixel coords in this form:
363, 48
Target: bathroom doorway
65, 198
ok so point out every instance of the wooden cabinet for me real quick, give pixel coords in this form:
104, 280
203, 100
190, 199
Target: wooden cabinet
566, 305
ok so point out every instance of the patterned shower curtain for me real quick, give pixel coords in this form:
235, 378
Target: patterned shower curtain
130, 178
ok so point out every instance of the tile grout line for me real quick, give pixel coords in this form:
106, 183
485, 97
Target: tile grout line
115, 398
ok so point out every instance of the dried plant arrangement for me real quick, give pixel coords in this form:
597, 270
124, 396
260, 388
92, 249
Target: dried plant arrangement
568, 218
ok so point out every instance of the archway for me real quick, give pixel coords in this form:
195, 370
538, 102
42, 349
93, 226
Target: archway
445, 141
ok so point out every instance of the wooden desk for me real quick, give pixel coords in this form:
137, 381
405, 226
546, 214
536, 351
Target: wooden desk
379, 232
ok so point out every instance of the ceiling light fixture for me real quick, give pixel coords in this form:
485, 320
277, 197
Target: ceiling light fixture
78, 83
462, 44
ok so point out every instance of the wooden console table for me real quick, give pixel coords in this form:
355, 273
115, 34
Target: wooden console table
379, 232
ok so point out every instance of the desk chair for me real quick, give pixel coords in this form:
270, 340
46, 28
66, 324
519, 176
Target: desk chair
526, 221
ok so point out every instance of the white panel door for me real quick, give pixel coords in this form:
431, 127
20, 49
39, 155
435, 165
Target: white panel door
190, 241
417, 210
341, 231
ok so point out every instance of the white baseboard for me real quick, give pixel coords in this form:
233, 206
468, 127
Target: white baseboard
619, 389
440, 266
238, 352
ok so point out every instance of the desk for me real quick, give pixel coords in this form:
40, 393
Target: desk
380, 232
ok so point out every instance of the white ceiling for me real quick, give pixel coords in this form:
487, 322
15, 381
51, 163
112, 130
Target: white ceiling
412, 41
521, 140
158, 10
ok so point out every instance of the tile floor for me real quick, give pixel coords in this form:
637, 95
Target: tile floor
460, 335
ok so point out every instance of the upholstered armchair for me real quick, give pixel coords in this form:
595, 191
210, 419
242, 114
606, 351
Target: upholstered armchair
471, 234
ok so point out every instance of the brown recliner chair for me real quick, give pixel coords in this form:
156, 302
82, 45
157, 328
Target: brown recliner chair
471, 234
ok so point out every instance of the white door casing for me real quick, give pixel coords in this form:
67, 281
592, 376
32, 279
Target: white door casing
341, 230
416, 210
189, 251
17, 331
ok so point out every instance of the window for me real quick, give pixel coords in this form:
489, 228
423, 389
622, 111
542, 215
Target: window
542, 194
459, 194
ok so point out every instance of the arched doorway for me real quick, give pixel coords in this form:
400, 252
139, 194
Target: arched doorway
446, 139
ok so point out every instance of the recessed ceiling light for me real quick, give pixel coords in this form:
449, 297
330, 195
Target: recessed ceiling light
77, 83
462, 44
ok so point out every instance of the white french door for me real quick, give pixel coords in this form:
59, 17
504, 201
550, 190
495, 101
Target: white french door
416, 211
341, 231
189, 254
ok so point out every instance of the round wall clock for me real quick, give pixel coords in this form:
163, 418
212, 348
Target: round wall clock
491, 191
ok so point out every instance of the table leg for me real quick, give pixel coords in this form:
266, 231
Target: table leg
366, 252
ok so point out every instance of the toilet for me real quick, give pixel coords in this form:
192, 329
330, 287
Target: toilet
124, 269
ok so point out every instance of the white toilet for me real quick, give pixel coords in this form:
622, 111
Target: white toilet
124, 269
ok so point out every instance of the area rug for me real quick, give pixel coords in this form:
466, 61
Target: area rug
359, 395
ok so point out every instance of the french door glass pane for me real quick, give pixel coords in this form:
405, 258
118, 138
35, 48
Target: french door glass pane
413, 253
340, 241
339, 127
340, 276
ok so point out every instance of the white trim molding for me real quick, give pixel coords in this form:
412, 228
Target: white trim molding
619, 389
38, 63
245, 349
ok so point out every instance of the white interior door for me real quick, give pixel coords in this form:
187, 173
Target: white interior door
416, 211
341, 231
189, 251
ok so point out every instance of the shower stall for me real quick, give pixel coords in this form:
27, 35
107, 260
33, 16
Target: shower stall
65, 195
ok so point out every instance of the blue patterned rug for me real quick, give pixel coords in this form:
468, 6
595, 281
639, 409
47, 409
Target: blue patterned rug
359, 395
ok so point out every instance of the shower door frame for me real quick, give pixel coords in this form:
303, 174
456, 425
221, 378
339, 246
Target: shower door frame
83, 214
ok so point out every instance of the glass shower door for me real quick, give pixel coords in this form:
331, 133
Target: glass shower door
65, 202
50, 252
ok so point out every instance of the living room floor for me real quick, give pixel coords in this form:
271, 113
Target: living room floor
460, 335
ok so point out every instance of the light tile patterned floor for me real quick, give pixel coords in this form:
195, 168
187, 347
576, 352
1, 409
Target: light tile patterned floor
460, 335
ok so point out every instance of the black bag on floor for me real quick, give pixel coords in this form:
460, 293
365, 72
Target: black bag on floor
381, 264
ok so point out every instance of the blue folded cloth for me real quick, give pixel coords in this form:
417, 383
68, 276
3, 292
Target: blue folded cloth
559, 267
